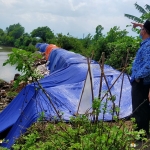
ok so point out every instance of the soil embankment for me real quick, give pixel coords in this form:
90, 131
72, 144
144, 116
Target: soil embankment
5, 94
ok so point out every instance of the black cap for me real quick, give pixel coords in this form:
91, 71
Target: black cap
147, 26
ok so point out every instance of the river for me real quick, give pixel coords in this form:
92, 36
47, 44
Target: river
6, 72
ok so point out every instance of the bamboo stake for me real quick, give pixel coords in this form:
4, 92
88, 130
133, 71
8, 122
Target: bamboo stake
44, 91
92, 55
113, 84
125, 64
89, 69
102, 73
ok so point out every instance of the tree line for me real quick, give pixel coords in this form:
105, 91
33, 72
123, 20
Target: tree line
116, 43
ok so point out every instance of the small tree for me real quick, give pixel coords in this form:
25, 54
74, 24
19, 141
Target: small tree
13, 32
44, 33
24, 61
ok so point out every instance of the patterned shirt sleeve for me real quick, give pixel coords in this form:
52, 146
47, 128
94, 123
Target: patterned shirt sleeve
143, 62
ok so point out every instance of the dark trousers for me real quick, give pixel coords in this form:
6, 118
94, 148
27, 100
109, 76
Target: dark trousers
140, 105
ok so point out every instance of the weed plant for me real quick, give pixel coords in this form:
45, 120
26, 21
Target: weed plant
83, 132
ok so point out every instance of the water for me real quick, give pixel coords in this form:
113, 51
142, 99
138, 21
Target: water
6, 72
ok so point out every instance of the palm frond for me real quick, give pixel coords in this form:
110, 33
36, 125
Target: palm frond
140, 9
145, 17
134, 18
147, 7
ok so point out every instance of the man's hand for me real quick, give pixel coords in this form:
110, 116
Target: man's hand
137, 25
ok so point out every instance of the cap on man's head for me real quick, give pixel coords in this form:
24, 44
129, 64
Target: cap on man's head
147, 26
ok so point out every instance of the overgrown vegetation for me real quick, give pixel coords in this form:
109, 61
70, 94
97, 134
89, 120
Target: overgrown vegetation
24, 61
82, 132
11, 94
114, 44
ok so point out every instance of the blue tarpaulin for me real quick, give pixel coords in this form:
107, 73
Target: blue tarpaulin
38, 45
42, 47
64, 85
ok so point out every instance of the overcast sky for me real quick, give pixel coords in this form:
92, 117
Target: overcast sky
76, 17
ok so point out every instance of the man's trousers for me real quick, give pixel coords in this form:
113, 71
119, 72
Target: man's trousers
140, 105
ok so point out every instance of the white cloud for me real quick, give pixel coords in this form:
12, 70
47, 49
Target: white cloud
9, 3
75, 7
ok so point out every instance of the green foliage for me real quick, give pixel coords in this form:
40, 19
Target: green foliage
119, 50
69, 43
13, 32
115, 34
115, 43
11, 94
25, 42
41, 116
83, 131
87, 41
30, 142
24, 62
2, 148
98, 32
99, 47
145, 13
9, 40
96, 106
102, 44
44, 33
31, 48
2, 34
80, 133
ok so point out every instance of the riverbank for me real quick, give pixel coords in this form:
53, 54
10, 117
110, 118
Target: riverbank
5, 48
8, 71
7, 91
6, 94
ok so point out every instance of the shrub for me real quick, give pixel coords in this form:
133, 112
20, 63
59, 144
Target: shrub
82, 132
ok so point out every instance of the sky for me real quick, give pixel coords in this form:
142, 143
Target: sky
76, 17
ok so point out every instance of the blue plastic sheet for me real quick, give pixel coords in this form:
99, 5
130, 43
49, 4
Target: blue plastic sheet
42, 47
64, 86
38, 45
60, 58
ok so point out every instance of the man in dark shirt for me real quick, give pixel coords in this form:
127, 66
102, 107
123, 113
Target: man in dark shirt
140, 79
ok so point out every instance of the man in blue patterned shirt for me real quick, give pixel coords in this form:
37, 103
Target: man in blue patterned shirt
140, 79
